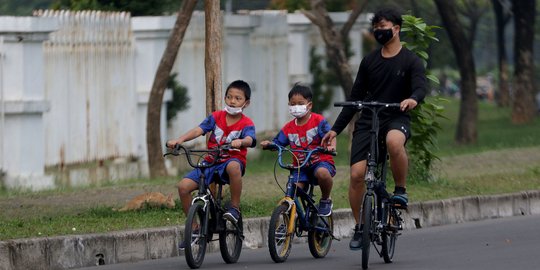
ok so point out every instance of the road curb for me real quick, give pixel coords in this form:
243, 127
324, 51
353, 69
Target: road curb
74, 251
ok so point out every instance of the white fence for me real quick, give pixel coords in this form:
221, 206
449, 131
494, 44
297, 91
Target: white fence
96, 70
89, 82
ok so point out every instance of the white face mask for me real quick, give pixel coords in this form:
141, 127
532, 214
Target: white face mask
298, 111
233, 110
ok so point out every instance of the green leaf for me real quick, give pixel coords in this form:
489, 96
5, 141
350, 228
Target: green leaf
433, 78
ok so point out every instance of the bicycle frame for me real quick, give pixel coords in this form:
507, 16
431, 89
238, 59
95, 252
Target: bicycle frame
205, 216
371, 178
376, 197
205, 195
300, 202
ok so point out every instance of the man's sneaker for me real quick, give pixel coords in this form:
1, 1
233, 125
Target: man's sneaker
232, 214
325, 207
400, 200
356, 241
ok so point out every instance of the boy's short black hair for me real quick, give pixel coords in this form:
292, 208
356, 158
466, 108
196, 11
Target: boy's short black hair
388, 14
242, 85
303, 90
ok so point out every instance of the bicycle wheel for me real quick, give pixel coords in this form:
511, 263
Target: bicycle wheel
367, 210
230, 241
320, 239
279, 242
389, 236
194, 236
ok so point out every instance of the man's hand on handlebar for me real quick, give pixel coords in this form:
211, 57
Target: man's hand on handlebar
329, 141
408, 104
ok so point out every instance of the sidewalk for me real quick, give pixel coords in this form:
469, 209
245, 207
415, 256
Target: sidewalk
74, 251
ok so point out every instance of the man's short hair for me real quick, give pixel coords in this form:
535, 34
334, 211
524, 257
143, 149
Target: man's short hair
389, 14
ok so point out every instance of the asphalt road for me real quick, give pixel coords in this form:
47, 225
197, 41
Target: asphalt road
506, 243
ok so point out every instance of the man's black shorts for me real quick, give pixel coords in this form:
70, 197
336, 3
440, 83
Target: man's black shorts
361, 136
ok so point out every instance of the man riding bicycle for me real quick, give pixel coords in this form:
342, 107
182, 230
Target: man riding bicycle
391, 74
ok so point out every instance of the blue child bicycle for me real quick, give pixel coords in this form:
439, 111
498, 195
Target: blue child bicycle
297, 213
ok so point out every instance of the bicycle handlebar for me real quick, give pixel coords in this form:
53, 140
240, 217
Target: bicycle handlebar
281, 149
369, 104
215, 153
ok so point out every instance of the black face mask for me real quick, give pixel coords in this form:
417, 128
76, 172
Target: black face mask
383, 35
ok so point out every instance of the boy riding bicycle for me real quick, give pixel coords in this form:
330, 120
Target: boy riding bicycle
305, 132
228, 126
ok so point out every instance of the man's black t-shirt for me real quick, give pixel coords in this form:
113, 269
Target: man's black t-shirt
389, 80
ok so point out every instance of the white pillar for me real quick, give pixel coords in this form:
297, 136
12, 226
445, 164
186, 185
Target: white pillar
299, 46
151, 36
22, 104
236, 64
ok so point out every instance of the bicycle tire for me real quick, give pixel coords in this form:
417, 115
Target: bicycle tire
195, 249
367, 211
389, 236
230, 241
279, 242
319, 242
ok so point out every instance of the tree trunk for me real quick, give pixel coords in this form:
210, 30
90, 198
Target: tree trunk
501, 18
335, 45
212, 60
335, 40
466, 132
524, 109
153, 134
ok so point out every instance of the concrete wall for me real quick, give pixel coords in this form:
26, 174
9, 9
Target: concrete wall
80, 94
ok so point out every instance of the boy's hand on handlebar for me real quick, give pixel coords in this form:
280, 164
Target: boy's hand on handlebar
265, 143
172, 143
236, 143
268, 145
408, 105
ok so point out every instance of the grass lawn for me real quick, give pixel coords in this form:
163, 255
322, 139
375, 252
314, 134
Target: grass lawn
505, 159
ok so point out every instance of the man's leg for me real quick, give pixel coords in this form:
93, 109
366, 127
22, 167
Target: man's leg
395, 141
357, 188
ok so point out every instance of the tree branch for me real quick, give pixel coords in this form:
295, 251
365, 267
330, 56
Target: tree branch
358, 9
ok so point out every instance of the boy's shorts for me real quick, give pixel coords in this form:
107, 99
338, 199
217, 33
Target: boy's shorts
361, 137
308, 173
221, 169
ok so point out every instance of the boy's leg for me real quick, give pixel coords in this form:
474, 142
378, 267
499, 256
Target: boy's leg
325, 181
234, 171
185, 187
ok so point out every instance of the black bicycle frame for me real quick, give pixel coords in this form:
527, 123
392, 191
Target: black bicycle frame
204, 193
374, 186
